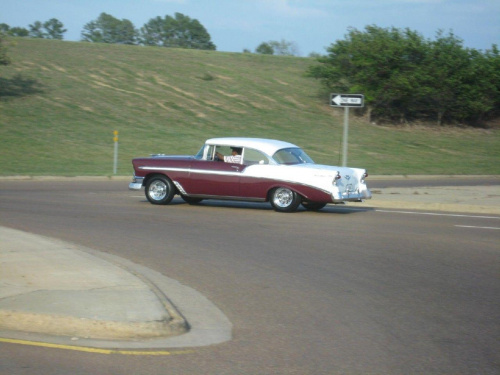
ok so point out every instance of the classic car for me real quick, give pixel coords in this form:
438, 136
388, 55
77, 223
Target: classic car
261, 170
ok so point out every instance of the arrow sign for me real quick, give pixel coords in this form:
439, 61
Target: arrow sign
347, 100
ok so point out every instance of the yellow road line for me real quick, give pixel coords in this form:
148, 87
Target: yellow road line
93, 350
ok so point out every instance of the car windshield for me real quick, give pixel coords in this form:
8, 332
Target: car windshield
199, 155
293, 155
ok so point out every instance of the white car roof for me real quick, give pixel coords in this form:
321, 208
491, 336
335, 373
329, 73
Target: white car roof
268, 146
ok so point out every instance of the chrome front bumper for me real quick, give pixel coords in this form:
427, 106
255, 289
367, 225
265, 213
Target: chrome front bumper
136, 183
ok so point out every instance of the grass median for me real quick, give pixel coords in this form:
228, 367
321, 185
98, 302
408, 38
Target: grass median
61, 101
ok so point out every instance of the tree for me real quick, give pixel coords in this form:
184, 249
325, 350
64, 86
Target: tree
314, 55
18, 31
36, 30
374, 62
180, 31
284, 48
405, 77
265, 49
274, 47
54, 29
108, 29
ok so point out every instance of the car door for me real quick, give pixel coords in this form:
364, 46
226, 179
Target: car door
209, 177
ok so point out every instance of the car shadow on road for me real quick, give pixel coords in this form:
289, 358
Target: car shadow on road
266, 206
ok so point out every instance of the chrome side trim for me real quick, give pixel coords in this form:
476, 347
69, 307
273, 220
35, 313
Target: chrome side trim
180, 188
198, 171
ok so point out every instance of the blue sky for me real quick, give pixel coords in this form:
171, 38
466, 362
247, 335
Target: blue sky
312, 24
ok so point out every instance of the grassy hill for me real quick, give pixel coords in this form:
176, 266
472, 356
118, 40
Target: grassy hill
61, 101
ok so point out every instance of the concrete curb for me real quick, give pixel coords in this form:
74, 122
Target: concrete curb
465, 199
51, 287
53, 302
71, 326
441, 207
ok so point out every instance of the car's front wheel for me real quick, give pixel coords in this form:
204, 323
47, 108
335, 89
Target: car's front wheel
159, 190
285, 200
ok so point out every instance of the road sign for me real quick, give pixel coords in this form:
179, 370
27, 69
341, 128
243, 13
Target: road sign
347, 100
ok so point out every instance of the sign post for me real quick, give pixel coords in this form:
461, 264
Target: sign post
115, 163
346, 101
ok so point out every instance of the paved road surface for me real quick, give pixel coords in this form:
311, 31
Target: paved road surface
366, 290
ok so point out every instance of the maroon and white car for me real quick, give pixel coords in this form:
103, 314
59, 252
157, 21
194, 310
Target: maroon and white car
263, 170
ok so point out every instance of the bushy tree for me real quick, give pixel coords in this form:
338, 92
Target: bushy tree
108, 29
36, 30
265, 49
179, 31
284, 48
405, 77
274, 47
18, 31
54, 29
51, 29
4, 28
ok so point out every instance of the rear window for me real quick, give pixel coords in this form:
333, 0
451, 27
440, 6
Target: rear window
292, 156
254, 157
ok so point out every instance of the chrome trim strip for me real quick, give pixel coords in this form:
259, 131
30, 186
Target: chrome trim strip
165, 169
198, 171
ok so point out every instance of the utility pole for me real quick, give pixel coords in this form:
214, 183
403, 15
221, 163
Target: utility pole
115, 163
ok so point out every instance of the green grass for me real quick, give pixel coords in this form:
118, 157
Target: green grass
67, 98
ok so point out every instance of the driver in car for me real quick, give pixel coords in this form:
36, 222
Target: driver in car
235, 156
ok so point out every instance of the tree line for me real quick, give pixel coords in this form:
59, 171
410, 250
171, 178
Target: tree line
406, 78
51, 29
178, 31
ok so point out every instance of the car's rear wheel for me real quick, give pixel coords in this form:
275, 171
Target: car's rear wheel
159, 190
285, 200
313, 206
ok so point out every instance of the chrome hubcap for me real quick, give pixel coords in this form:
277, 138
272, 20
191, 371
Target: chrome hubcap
283, 197
158, 190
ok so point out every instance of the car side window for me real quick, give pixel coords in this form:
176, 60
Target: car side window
251, 157
224, 150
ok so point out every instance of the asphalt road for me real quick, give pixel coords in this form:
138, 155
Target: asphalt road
341, 291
